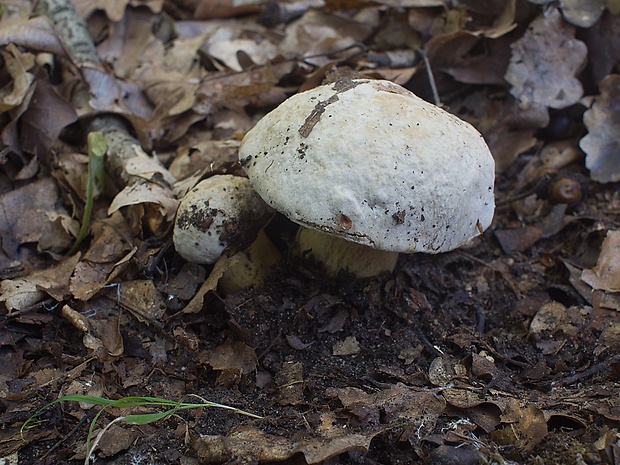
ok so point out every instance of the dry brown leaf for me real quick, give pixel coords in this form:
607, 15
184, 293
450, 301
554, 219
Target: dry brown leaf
605, 275
196, 155
27, 214
290, 383
544, 63
101, 331
17, 65
504, 22
508, 127
250, 445
114, 9
459, 54
142, 300
462, 398
108, 255
31, 33
130, 43
183, 286
602, 144
232, 359
47, 115
235, 91
527, 433
321, 33
116, 439
229, 51
147, 193
349, 346
397, 404
170, 75
21, 293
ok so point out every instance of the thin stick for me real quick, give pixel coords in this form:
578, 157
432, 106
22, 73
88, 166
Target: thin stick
431, 78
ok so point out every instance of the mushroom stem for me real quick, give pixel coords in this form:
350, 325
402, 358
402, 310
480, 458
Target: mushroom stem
336, 254
252, 267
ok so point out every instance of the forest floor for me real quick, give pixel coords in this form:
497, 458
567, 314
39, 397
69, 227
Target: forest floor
504, 351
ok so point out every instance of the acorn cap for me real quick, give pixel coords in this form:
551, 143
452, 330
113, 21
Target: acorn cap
369, 161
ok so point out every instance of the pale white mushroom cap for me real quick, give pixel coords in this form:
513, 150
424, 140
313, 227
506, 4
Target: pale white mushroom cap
219, 213
373, 163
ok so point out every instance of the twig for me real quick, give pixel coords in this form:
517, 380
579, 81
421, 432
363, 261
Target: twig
431, 78
593, 370
63, 439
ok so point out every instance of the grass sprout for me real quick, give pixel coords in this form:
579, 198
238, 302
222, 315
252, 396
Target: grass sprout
170, 407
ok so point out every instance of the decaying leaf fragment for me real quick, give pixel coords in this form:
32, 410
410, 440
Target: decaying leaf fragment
602, 144
101, 332
143, 300
28, 213
108, 255
248, 444
528, 432
233, 359
20, 293
606, 274
544, 63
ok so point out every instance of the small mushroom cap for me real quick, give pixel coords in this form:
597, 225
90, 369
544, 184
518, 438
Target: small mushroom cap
371, 162
219, 213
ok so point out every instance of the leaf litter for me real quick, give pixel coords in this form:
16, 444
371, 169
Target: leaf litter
503, 351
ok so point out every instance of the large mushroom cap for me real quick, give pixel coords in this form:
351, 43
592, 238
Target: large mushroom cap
374, 164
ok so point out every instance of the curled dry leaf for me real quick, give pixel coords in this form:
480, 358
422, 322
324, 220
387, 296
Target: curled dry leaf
20, 293
142, 300
250, 445
17, 64
109, 253
27, 213
321, 33
240, 53
114, 10
602, 144
31, 33
234, 355
101, 332
544, 63
606, 274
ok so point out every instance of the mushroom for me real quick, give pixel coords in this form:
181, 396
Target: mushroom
370, 170
220, 214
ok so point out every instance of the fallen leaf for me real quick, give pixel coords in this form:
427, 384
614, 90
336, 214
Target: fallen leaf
349, 346
110, 250
233, 359
101, 331
317, 34
142, 300
31, 33
545, 61
17, 64
606, 274
248, 444
290, 384
47, 115
27, 213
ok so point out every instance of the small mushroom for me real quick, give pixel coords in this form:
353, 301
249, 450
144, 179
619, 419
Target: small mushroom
370, 170
221, 213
